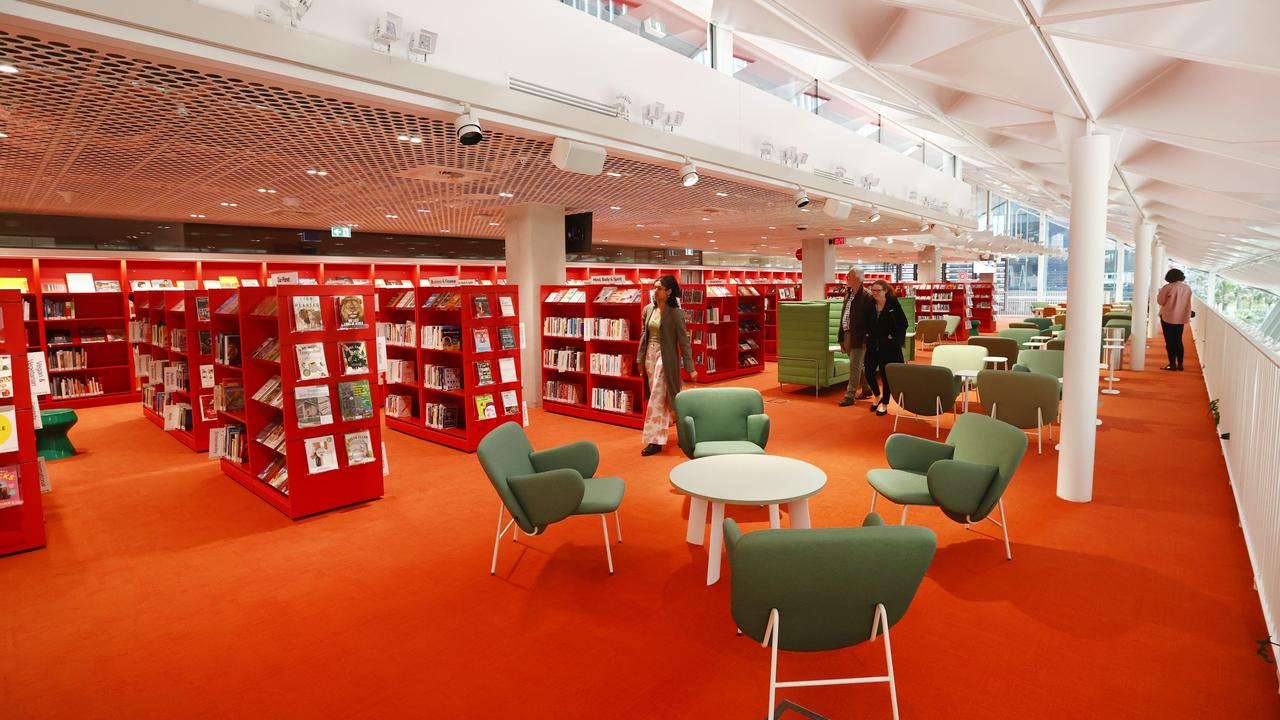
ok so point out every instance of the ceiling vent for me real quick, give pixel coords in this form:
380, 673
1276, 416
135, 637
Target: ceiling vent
564, 98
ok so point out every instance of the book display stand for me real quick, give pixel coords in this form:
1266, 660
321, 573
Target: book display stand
712, 315
172, 336
294, 367
21, 506
453, 360
751, 326
982, 306
774, 294
590, 335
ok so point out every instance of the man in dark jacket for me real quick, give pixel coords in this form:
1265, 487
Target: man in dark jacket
853, 335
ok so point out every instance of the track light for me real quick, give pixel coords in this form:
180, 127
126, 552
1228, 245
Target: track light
688, 174
467, 128
875, 215
924, 225
802, 198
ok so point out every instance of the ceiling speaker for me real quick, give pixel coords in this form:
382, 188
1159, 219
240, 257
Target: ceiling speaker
576, 157
838, 209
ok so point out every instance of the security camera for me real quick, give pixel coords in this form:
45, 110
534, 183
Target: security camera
802, 198
467, 128
802, 227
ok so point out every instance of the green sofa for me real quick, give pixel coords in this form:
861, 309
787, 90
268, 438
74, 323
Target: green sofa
806, 332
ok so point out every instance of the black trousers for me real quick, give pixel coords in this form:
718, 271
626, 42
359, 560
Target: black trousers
1173, 342
874, 364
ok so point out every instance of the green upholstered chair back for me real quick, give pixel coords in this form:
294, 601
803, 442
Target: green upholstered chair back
1042, 323
1047, 362
718, 413
1125, 325
997, 346
953, 322
920, 388
959, 357
930, 331
986, 441
1060, 319
1014, 397
1058, 343
504, 453
825, 583
1024, 325
1054, 328
805, 332
1107, 317
1019, 335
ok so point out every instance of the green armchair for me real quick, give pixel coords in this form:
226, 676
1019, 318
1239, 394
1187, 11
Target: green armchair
998, 347
806, 332
721, 421
965, 477
539, 488
1026, 400
1042, 323
925, 391
834, 587
1048, 362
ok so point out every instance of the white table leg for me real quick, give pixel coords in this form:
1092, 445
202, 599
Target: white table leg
697, 521
775, 518
717, 543
799, 511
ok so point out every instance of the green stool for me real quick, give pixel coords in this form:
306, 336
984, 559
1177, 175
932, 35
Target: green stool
52, 442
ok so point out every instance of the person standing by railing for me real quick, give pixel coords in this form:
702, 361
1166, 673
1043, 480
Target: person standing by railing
1174, 300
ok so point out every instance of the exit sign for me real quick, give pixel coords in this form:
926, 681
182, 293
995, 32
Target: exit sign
341, 231
836, 241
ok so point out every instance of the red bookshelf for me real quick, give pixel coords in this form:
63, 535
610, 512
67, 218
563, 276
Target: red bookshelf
435, 362
21, 525
938, 299
174, 327
774, 294
262, 316
982, 305
712, 316
589, 368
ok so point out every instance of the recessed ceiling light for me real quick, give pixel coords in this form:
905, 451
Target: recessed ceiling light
506, 194
720, 194
446, 231
8, 69
391, 217
266, 190
706, 218
614, 174
772, 227
4, 135
639, 225
764, 237
493, 223
423, 210
804, 209
712, 240
229, 204
195, 215
711, 232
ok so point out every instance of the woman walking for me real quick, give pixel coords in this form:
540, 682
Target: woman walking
664, 347
886, 325
1175, 311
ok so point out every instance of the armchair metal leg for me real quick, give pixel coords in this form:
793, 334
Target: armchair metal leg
874, 496
497, 539
937, 419
1039, 425
617, 523
904, 515
1003, 522
897, 413
604, 523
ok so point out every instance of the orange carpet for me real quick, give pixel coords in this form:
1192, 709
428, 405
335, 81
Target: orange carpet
168, 591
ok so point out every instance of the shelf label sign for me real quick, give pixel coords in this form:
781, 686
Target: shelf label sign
339, 231
471, 281
608, 279
443, 281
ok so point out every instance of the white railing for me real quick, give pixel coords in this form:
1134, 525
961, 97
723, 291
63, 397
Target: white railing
1243, 375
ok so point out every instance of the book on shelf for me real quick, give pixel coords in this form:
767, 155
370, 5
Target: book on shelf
271, 392
306, 313
14, 283
485, 409
311, 362
10, 487
562, 326
322, 456
349, 310
402, 300
562, 359
229, 396
355, 399
615, 365
481, 337
312, 406
398, 406
507, 370
80, 283
359, 447
59, 309
208, 413
568, 295
480, 304
442, 337
202, 308
692, 296
510, 405
340, 280
228, 349
269, 349
106, 286
272, 435
6, 376
507, 306
443, 301
399, 334
276, 474
90, 335
204, 342
354, 356
227, 442
441, 416
267, 307
484, 373
612, 400
507, 337
206, 376
564, 392
401, 371
439, 377
609, 329
230, 306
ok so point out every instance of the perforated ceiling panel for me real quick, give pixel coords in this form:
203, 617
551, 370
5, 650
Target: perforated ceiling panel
95, 130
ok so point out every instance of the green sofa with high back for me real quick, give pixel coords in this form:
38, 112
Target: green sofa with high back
806, 332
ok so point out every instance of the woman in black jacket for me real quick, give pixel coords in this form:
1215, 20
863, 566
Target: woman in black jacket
886, 329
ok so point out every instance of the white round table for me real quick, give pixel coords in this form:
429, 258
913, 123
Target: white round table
743, 480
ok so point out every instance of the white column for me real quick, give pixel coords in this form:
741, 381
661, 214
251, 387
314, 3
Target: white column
817, 267
1211, 299
929, 267
1042, 264
1142, 234
1157, 279
1119, 273
1090, 165
535, 257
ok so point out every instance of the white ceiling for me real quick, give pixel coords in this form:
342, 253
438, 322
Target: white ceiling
1189, 89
